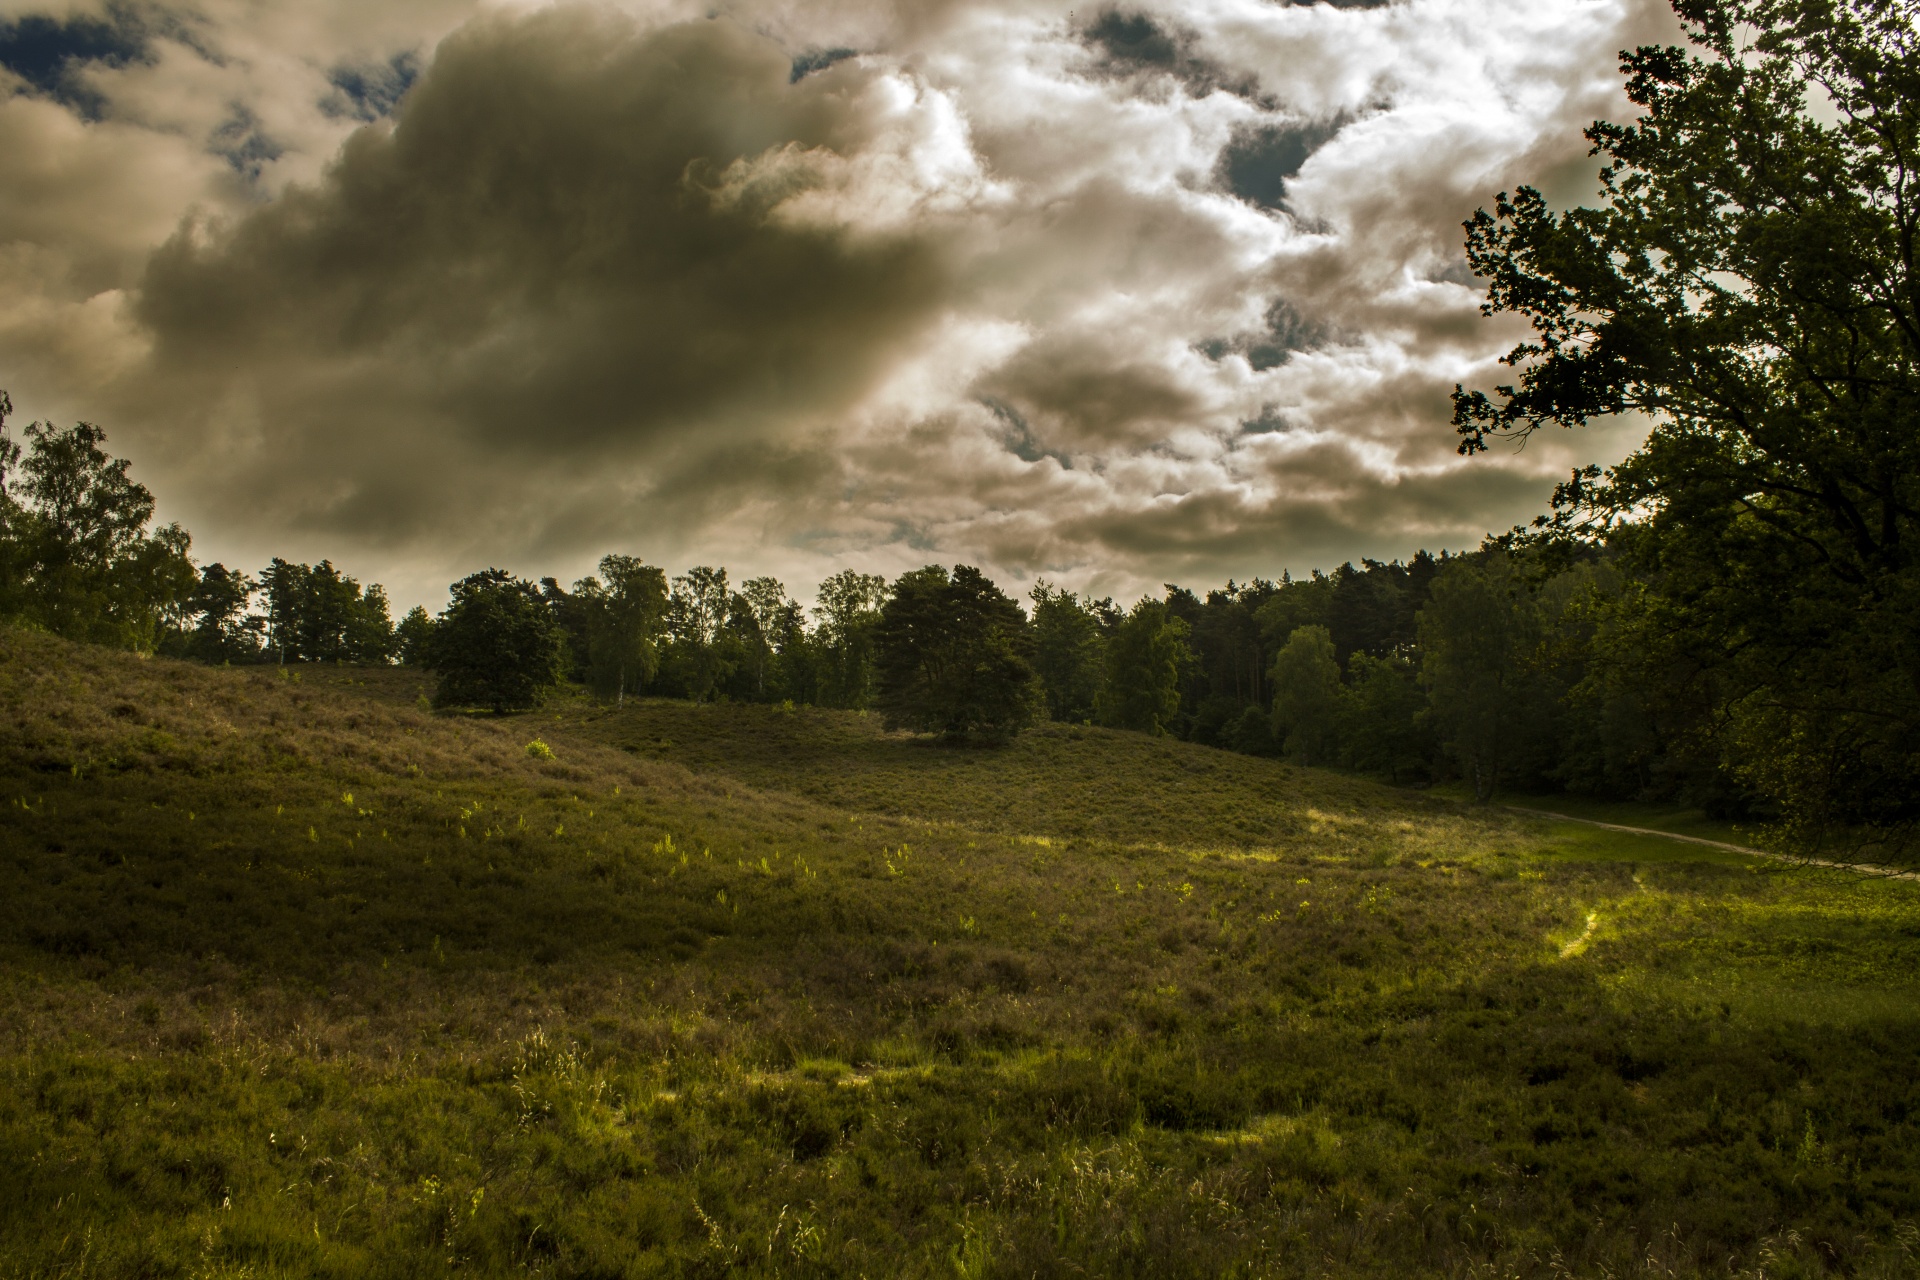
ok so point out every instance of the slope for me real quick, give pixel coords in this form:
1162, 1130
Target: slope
301, 979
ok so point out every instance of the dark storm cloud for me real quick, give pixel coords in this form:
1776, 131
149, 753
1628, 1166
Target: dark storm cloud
577, 239
1080, 396
1206, 537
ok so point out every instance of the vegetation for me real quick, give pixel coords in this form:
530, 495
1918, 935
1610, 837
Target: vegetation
1748, 284
76, 555
622, 622
497, 645
1146, 656
1532, 664
303, 980
951, 653
1306, 695
314, 614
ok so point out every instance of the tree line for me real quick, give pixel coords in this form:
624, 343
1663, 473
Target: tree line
1508, 667
1519, 666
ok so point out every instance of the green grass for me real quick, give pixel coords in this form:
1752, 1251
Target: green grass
299, 979
1660, 816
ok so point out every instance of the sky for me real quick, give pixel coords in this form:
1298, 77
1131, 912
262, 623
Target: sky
1109, 296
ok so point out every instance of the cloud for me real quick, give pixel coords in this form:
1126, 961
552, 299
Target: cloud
584, 244
1141, 293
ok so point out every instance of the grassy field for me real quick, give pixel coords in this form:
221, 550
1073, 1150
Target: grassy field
300, 979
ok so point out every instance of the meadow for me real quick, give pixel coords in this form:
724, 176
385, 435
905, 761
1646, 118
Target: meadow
298, 978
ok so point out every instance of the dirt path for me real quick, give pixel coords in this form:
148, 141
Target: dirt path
1881, 873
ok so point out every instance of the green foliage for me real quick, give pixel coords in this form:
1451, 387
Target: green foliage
951, 654
317, 614
1479, 641
496, 646
413, 637
625, 615
76, 556
700, 653
1228, 670
1306, 696
359, 991
769, 631
224, 631
848, 615
1147, 655
1383, 727
1747, 283
1068, 650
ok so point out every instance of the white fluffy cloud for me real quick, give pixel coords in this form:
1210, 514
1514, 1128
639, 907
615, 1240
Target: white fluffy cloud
1116, 295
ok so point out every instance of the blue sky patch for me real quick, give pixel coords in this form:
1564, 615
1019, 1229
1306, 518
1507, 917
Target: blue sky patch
805, 64
46, 51
372, 90
1258, 163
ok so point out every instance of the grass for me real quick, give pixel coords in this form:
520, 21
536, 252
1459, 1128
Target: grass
297, 978
1667, 816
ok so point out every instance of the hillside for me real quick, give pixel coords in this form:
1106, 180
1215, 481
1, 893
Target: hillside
301, 979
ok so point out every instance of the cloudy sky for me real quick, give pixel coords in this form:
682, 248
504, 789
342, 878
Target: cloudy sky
1171, 291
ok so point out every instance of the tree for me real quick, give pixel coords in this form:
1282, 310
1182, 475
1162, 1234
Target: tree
1147, 656
1747, 283
756, 615
952, 657
1382, 727
1067, 651
848, 612
796, 660
315, 613
696, 621
1231, 657
573, 611
1306, 696
1477, 639
369, 632
414, 636
223, 630
625, 619
78, 557
497, 644
15, 521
